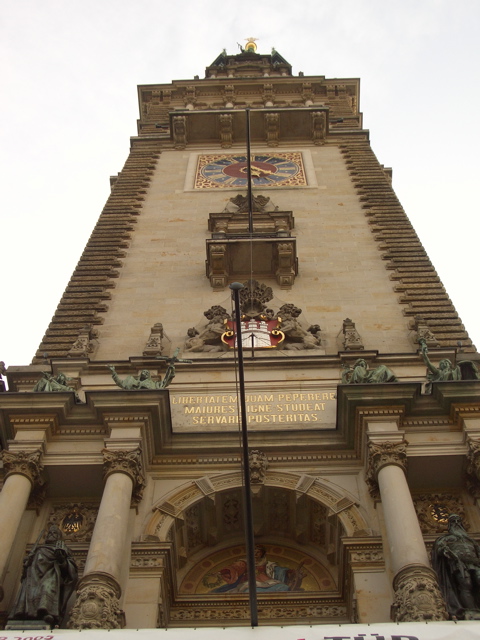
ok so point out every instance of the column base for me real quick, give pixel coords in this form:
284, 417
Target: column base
97, 605
417, 595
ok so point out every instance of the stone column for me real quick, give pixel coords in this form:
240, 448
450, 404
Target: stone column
417, 595
22, 473
98, 592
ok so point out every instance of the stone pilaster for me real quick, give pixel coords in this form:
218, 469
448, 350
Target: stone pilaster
98, 594
417, 595
23, 472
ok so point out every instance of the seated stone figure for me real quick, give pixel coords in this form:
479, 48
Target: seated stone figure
51, 383
361, 374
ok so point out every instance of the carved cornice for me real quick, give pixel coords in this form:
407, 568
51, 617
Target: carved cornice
24, 463
128, 462
417, 596
382, 454
97, 605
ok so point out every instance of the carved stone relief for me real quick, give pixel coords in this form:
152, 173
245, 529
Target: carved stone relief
258, 464
417, 596
25, 463
75, 520
351, 338
86, 343
433, 510
154, 346
97, 605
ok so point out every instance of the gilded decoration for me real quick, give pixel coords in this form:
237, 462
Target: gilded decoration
278, 569
229, 171
433, 510
75, 520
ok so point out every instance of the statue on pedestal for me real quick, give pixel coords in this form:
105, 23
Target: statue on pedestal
48, 580
456, 560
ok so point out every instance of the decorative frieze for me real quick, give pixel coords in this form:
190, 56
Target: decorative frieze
417, 596
128, 462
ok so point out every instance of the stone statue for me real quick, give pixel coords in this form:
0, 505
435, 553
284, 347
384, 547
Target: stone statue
465, 370
296, 337
361, 374
170, 372
456, 560
134, 383
51, 383
48, 580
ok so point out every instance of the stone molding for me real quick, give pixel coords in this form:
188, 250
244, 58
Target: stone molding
97, 605
383, 454
417, 595
128, 462
26, 464
87, 294
418, 285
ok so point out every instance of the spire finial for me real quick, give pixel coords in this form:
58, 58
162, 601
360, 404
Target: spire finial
251, 47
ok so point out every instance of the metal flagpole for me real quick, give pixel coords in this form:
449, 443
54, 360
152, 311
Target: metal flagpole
249, 535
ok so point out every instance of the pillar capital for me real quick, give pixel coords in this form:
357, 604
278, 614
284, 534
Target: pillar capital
382, 454
25, 463
417, 595
473, 466
129, 463
97, 605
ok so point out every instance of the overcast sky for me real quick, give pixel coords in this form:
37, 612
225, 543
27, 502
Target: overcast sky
69, 70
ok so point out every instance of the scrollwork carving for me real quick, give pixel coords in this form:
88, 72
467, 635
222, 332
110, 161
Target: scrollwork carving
24, 463
97, 605
380, 455
417, 596
129, 462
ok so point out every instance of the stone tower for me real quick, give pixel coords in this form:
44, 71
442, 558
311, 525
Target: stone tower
129, 442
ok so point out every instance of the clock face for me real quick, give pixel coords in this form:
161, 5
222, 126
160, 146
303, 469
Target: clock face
228, 171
